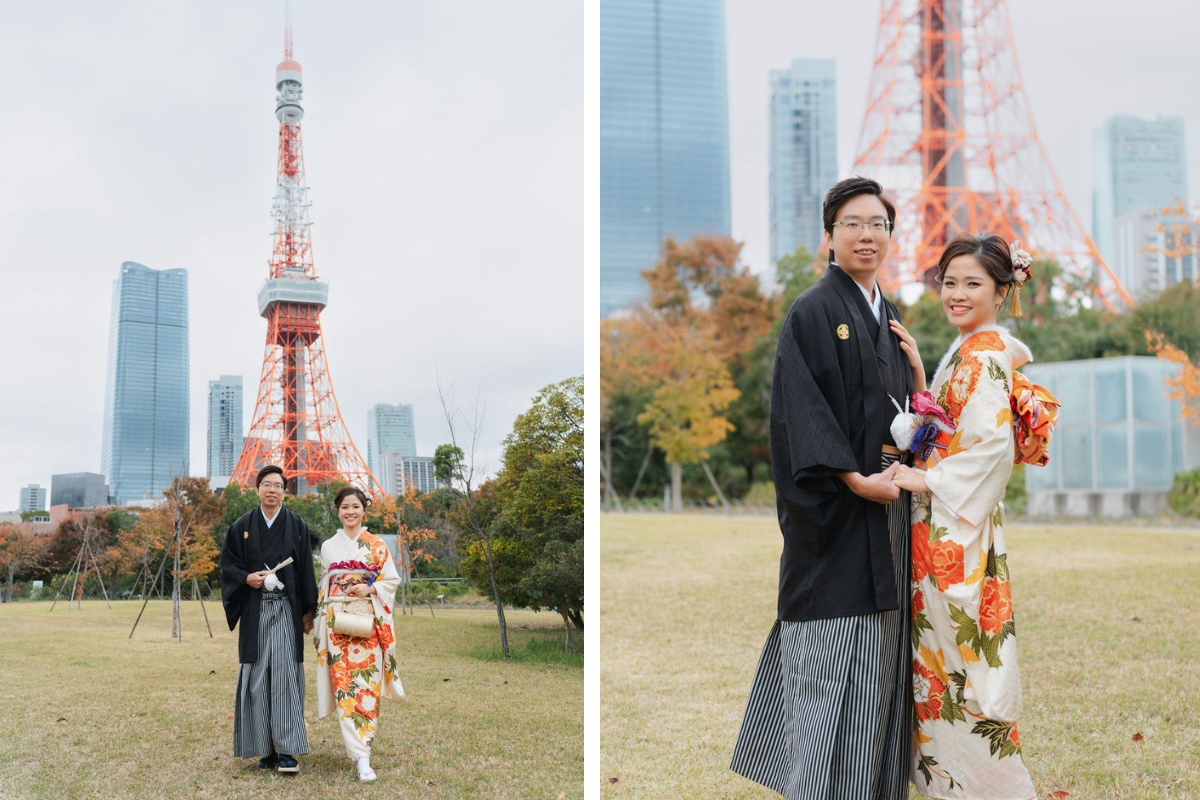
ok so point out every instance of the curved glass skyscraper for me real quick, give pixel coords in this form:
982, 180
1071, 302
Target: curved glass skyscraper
146, 392
664, 134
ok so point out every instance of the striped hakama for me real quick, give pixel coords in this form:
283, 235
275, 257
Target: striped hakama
830, 711
269, 712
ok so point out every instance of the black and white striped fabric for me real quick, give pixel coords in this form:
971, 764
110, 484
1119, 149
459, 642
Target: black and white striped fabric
830, 711
269, 712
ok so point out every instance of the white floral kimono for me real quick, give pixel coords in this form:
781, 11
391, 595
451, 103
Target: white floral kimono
353, 673
967, 688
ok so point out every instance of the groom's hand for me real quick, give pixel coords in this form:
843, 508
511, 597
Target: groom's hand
877, 488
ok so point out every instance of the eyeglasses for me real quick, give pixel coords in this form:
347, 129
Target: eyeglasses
876, 226
272, 485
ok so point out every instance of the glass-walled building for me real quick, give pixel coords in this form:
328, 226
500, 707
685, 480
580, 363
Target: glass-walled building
389, 428
225, 437
146, 405
803, 152
1119, 442
664, 134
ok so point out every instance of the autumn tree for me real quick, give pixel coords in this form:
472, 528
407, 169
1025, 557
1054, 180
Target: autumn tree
21, 547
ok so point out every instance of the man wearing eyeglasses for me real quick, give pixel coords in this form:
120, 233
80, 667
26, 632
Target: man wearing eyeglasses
275, 608
830, 709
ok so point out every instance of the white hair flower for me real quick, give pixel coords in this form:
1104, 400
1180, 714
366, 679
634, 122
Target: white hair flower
1021, 261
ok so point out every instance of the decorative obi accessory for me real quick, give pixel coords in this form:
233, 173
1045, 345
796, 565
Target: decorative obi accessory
354, 616
1022, 264
1034, 414
916, 431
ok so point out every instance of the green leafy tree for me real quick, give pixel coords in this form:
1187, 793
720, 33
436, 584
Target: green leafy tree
538, 530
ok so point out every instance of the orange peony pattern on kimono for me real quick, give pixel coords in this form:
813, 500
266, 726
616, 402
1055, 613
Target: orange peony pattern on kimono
966, 684
353, 673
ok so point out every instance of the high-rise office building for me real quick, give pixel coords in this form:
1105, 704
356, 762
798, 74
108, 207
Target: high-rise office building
146, 411
79, 490
1153, 251
225, 437
1137, 165
803, 152
33, 498
400, 470
389, 428
664, 134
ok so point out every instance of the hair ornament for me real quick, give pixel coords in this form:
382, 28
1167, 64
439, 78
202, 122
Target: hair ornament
1022, 271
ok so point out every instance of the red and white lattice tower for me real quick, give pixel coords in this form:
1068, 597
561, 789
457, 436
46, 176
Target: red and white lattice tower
950, 135
297, 424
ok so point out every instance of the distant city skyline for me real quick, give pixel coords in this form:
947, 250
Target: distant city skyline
147, 418
406, 107
1137, 165
804, 157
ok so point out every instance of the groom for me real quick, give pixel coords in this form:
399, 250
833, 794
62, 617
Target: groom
830, 711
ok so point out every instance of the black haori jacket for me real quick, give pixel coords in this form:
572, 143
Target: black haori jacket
242, 553
830, 413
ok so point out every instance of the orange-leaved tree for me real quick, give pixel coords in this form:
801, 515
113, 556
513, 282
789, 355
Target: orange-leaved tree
689, 340
1184, 385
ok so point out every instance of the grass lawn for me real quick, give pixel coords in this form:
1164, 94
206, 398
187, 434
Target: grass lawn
1108, 621
90, 713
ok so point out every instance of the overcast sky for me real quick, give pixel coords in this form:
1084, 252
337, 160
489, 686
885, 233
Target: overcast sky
443, 147
1082, 62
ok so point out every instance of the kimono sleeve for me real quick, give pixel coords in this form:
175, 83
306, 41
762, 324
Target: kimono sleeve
817, 446
233, 575
389, 579
971, 479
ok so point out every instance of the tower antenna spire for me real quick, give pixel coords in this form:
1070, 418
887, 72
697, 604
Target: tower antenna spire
287, 30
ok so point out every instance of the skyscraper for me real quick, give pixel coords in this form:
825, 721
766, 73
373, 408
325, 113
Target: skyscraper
1137, 165
224, 427
803, 152
400, 471
79, 490
146, 411
664, 134
389, 428
33, 498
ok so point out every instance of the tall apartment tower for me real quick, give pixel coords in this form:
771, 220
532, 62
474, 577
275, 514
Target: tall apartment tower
33, 498
389, 428
803, 152
146, 411
225, 437
1137, 165
664, 134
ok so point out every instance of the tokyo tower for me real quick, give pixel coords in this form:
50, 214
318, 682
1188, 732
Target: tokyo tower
949, 133
297, 424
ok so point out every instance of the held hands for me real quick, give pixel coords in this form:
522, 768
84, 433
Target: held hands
361, 590
878, 488
255, 580
308, 622
911, 479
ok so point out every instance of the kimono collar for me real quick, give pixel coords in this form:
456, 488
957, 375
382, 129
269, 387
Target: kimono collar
355, 541
1018, 350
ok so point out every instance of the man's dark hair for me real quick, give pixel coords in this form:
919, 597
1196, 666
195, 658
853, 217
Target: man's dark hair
843, 191
267, 470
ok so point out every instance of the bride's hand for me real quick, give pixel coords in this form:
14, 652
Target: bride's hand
911, 479
909, 345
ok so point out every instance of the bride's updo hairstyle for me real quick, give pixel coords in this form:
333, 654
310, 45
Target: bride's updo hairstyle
992, 253
346, 491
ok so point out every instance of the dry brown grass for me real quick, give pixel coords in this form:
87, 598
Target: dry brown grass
687, 602
150, 718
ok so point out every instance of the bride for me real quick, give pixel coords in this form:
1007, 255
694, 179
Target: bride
967, 689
